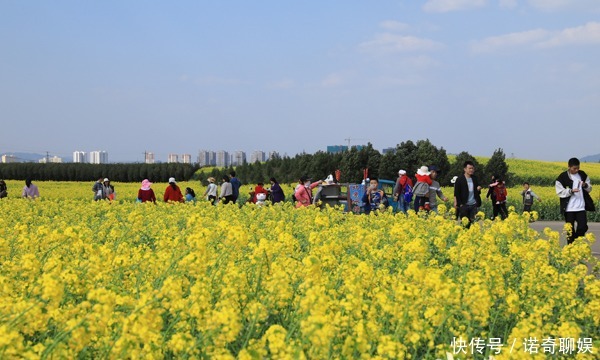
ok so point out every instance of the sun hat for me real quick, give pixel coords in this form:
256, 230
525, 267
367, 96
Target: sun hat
172, 180
211, 179
106, 179
146, 184
423, 170
402, 172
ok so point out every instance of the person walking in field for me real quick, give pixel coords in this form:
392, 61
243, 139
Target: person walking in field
404, 184
491, 194
145, 193
173, 192
211, 191
30, 190
421, 189
435, 190
467, 193
108, 190
3, 189
573, 187
98, 190
226, 195
528, 197
235, 186
500, 195
277, 194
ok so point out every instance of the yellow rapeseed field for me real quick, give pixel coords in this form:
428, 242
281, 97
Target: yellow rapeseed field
84, 279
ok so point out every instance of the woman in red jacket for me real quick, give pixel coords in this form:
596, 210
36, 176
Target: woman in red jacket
173, 193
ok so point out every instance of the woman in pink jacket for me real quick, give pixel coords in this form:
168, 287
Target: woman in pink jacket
303, 191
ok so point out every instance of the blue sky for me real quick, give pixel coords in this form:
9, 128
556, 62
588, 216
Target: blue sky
178, 77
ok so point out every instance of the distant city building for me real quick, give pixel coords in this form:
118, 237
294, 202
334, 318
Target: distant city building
207, 158
149, 157
273, 154
238, 158
7, 159
173, 158
335, 149
80, 157
54, 159
186, 158
388, 150
257, 155
98, 157
222, 158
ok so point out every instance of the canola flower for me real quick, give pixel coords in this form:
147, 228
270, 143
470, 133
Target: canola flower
84, 279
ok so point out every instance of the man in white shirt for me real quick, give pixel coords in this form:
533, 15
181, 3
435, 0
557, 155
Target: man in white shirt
573, 187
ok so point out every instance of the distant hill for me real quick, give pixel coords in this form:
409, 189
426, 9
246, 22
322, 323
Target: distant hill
25, 157
591, 158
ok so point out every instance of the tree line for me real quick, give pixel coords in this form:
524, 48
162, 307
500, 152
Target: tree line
92, 172
352, 164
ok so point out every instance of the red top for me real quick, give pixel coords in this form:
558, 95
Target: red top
259, 190
146, 195
404, 179
173, 194
423, 178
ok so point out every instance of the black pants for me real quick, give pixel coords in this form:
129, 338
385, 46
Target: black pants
527, 208
469, 211
579, 217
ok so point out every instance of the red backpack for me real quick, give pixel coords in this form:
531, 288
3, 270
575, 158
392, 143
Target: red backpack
500, 192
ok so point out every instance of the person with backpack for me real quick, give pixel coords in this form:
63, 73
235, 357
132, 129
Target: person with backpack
492, 195
421, 189
403, 191
528, 196
374, 198
500, 195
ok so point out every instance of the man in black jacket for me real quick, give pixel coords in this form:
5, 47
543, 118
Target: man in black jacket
467, 193
573, 187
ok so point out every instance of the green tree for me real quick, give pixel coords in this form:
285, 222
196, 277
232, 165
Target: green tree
497, 165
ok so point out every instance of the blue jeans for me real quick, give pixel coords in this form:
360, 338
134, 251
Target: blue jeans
403, 205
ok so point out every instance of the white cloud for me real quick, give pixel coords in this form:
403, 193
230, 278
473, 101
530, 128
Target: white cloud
581, 35
495, 43
392, 43
541, 38
392, 25
452, 5
332, 80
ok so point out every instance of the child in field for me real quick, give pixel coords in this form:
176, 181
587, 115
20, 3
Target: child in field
528, 196
500, 194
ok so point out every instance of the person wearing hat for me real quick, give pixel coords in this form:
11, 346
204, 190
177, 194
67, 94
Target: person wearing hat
108, 190
435, 190
303, 191
145, 193
211, 191
400, 189
421, 189
173, 192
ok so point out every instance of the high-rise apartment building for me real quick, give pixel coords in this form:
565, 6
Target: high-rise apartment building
98, 157
257, 155
80, 157
186, 158
149, 157
222, 158
6, 159
273, 154
173, 158
207, 158
238, 158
